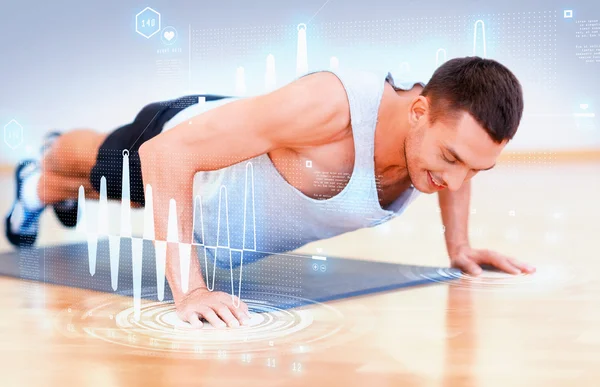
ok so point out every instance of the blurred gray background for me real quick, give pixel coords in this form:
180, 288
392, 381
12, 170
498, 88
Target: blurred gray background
70, 64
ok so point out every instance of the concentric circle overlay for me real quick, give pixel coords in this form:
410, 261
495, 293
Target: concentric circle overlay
547, 277
159, 329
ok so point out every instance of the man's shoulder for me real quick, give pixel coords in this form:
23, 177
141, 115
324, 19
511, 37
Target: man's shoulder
353, 74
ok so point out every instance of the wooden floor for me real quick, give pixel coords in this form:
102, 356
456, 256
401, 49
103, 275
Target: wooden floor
539, 330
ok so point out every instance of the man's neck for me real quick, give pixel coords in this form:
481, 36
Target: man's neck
389, 144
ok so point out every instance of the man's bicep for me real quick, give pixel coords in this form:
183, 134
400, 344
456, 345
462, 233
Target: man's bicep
309, 111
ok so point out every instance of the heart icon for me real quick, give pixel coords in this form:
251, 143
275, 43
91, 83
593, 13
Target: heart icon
169, 35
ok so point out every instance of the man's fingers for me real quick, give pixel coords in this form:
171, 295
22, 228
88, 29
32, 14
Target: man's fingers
501, 262
239, 313
237, 306
522, 266
243, 306
209, 315
468, 266
226, 315
194, 320
218, 308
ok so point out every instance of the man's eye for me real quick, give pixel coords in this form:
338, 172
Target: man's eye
448, 160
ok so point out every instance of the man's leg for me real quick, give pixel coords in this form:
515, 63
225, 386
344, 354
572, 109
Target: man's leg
67, 161
66, 166
84, 158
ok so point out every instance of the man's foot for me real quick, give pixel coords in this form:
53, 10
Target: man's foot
22, 221
65, 211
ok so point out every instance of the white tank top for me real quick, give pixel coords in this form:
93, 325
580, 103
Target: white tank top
249, 207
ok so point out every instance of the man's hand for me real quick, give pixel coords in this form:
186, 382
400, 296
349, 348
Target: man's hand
469, 260
215, 307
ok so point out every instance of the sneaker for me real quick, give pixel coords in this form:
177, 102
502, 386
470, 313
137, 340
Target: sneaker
21, 223
49, 139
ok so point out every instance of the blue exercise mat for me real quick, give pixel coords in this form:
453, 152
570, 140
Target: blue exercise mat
284, 277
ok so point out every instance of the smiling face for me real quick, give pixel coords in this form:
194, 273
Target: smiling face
449, 151
470, 108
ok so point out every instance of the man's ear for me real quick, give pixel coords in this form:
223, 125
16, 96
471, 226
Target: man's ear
418, 108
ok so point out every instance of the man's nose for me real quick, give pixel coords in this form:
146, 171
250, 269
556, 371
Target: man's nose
455, 178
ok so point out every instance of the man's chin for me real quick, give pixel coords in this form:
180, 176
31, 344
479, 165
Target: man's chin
421, 186
424, 191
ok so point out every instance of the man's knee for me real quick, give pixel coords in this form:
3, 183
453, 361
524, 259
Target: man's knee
73, 153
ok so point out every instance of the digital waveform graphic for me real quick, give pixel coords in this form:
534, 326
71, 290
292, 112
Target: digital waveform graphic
172, 238
240, 81
270, 75
302, 51
334, 63
479, 22
437, 57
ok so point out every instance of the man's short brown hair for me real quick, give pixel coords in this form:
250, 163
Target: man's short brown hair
484, 88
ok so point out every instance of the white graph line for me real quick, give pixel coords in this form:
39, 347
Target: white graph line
437, 56
250, 168
301, 51
125, 198
270, 74
240, 81
160, 246
475, 38
184, 248
114, 249
190, 57
334, 63
249, 179
137, 253
319, 10
404, 67
185, 252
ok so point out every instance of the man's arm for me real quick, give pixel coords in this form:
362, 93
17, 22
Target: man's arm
455, 216
307, 112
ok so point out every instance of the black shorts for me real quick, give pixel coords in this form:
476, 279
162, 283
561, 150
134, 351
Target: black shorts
147, 124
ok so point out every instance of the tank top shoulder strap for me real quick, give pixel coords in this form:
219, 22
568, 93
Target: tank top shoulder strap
364, 90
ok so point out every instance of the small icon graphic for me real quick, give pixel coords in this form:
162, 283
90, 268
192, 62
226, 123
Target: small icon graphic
308, 164
323, 268
13, 134
568, 14
315, 267
512, 213
584, 106
147, 22
169, 35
